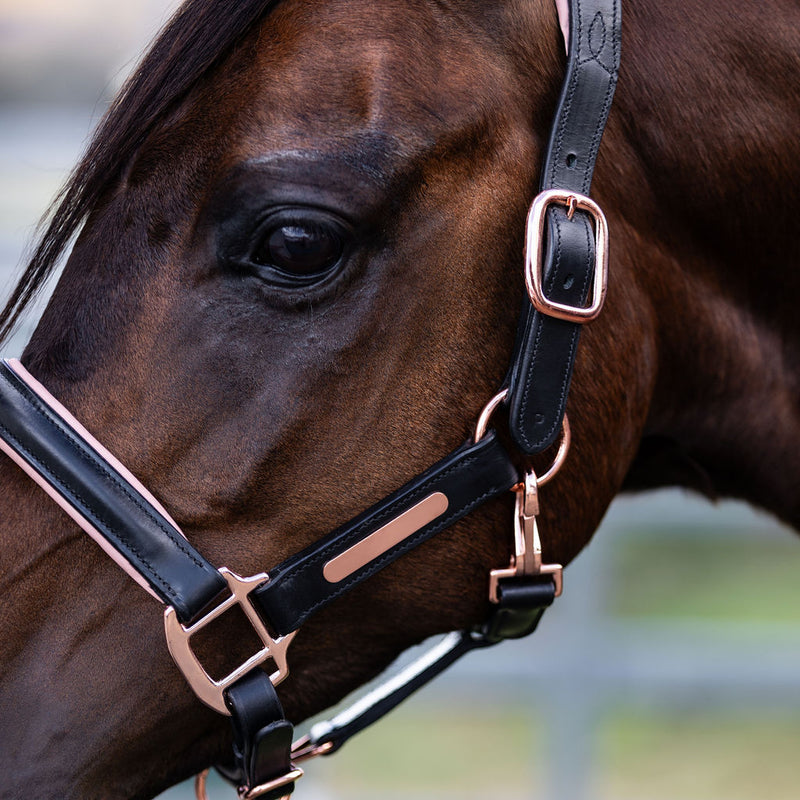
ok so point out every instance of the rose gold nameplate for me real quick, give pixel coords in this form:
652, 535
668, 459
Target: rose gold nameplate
392, 533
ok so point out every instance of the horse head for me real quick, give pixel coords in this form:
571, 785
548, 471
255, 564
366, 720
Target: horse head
296, 285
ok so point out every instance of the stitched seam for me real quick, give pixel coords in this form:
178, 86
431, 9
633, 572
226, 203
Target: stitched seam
601, 122
88, 456
407, 545
589, 37
573, 83
536, 345
67, 489
389, 511
568, 364
572, 344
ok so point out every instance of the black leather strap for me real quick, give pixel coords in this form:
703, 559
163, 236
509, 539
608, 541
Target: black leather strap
379, 702
177, 573
522, 602
468, 477
262, 737
542, 365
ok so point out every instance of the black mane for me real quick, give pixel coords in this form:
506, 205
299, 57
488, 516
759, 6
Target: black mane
200, 34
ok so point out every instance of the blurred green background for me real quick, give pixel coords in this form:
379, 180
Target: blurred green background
670, 668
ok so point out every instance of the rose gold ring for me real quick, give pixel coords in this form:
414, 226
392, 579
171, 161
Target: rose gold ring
561, 454
485, 415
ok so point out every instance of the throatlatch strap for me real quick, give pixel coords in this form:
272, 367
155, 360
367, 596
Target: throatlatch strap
102, 501
431, 502
518, 612
541, 369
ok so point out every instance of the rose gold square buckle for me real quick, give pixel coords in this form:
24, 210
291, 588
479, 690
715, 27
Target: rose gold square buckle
208, 690
246, 793
534, 238
270, 786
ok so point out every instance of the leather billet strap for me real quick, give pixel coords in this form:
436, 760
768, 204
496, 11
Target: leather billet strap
262, 739
456, 485
544, 355
38, 433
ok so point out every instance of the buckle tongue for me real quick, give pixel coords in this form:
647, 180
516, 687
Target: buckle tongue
208, 690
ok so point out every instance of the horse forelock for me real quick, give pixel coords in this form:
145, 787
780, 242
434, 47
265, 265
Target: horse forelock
199, 35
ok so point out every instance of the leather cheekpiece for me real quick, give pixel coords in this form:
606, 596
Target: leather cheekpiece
541, 368
468, 477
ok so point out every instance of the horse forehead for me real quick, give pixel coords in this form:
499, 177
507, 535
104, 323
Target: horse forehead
374, 65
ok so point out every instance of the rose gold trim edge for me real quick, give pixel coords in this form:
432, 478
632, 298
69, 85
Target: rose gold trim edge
15, 365
82, 522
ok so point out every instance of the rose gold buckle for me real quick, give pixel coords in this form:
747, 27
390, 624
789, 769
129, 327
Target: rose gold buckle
208, 690
534, 238
526, 562
243, 791
270, 786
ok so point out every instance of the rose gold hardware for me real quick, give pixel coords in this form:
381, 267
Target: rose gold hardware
387, 536
561, 454
534, 237
270, 786
571, 203
486, 414
208, 690
527, 558
303, 749
200, 785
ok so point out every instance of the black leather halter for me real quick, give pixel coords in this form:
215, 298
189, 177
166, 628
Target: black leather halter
565, 275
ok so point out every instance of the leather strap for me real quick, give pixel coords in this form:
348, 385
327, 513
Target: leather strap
97, 494
468, 477
262, 737
522, 602
386, 697
541, 369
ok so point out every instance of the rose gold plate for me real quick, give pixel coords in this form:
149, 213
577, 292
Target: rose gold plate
386, 537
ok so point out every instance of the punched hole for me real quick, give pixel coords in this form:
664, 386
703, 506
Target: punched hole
569, 281
571, 159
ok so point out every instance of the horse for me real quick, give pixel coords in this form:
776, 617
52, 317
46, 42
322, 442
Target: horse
403, 140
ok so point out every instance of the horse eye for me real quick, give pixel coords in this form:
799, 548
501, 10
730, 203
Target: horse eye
302, 249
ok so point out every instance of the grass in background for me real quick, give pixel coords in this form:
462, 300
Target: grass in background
699, 756
693, 575
442, 753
